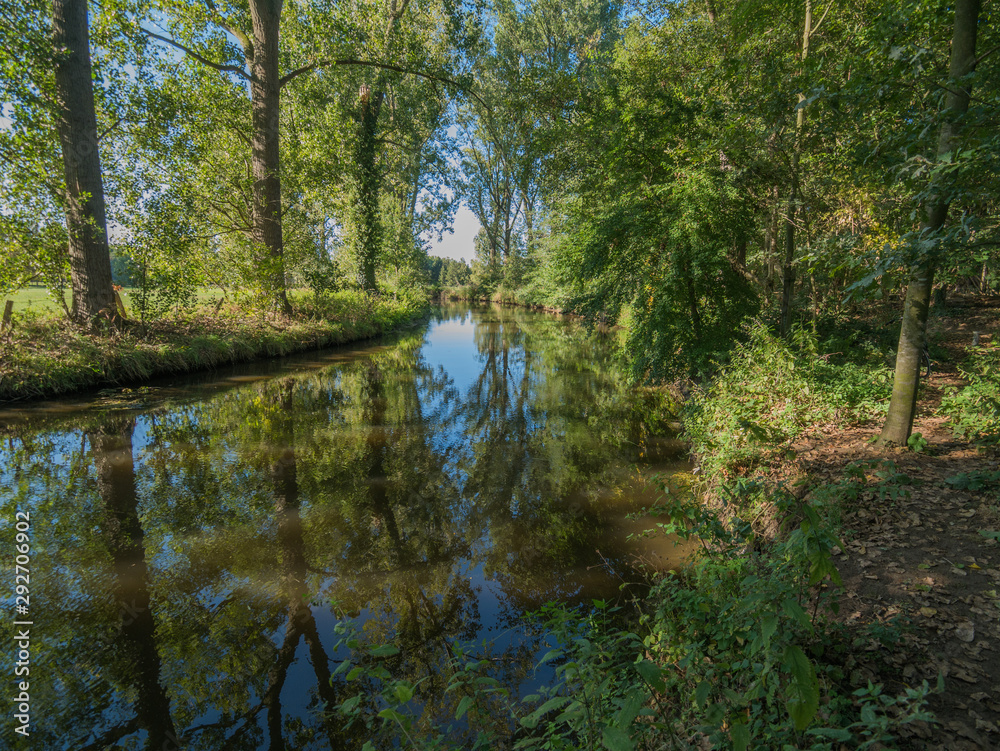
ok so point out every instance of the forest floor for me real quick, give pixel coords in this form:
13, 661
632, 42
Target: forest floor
921, 570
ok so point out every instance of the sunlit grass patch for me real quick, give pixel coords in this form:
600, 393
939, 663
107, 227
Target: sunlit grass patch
44, 354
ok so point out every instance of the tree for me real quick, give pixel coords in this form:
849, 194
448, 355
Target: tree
90, 258
260, 68
913, 329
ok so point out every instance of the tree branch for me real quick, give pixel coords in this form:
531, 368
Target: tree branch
226, 26
985, 54
821, 20
288, 77
200, 58
102, 136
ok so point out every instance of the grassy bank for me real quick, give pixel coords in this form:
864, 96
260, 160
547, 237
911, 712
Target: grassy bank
44, 355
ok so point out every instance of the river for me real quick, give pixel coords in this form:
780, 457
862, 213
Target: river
214, 559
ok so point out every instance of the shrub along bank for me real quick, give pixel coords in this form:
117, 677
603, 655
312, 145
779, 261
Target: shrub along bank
45, 355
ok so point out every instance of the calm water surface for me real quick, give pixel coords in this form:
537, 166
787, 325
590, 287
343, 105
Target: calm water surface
203, 550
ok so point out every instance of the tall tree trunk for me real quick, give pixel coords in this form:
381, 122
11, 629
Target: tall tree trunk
265, 87
788, 265
369, 239
89, 256
913, 330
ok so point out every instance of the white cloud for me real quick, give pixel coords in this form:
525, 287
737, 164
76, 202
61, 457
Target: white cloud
459, 244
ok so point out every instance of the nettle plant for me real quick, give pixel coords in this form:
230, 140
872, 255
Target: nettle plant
974, 410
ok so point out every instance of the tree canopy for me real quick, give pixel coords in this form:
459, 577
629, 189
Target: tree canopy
679, 168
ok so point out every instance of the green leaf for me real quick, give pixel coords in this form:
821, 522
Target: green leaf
835, 734
463, 707
701, 693
767, 628
552, 654
740, 735
531, 721
386, 650
802, 692
630, 708
616, 739
403, 692
652, 674
392, 714
342, 667
794, 611
350, 704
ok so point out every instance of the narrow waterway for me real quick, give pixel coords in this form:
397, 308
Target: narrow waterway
206, 552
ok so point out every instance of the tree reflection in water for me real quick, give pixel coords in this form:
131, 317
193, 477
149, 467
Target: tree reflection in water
199, 550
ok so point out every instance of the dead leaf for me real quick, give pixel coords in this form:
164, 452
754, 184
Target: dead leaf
966, 631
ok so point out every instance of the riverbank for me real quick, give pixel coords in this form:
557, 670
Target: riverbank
44, 355
889, 556
518, 298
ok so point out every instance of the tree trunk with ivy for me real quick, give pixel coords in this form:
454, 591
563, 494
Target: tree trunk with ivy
369, 229
265, 89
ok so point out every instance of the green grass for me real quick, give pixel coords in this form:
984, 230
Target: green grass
45, 355
39, 300
36, 299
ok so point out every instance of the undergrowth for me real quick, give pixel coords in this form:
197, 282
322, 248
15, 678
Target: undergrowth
773, 391
974, 409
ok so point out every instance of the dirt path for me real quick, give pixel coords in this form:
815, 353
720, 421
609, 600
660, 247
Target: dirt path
921, 582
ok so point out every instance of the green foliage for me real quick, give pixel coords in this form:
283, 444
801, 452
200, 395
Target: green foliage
974, 480
447, 272
868, 481
770, 393
974, 410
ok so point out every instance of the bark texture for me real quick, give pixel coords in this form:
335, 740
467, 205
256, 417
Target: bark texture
265, 89
913, 330
89, 255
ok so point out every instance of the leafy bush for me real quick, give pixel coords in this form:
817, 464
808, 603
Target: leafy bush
974, 410
771, 392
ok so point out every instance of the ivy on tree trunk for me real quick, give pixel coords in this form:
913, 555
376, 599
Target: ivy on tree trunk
265, 88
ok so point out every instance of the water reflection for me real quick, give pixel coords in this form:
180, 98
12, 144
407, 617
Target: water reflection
200, 548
